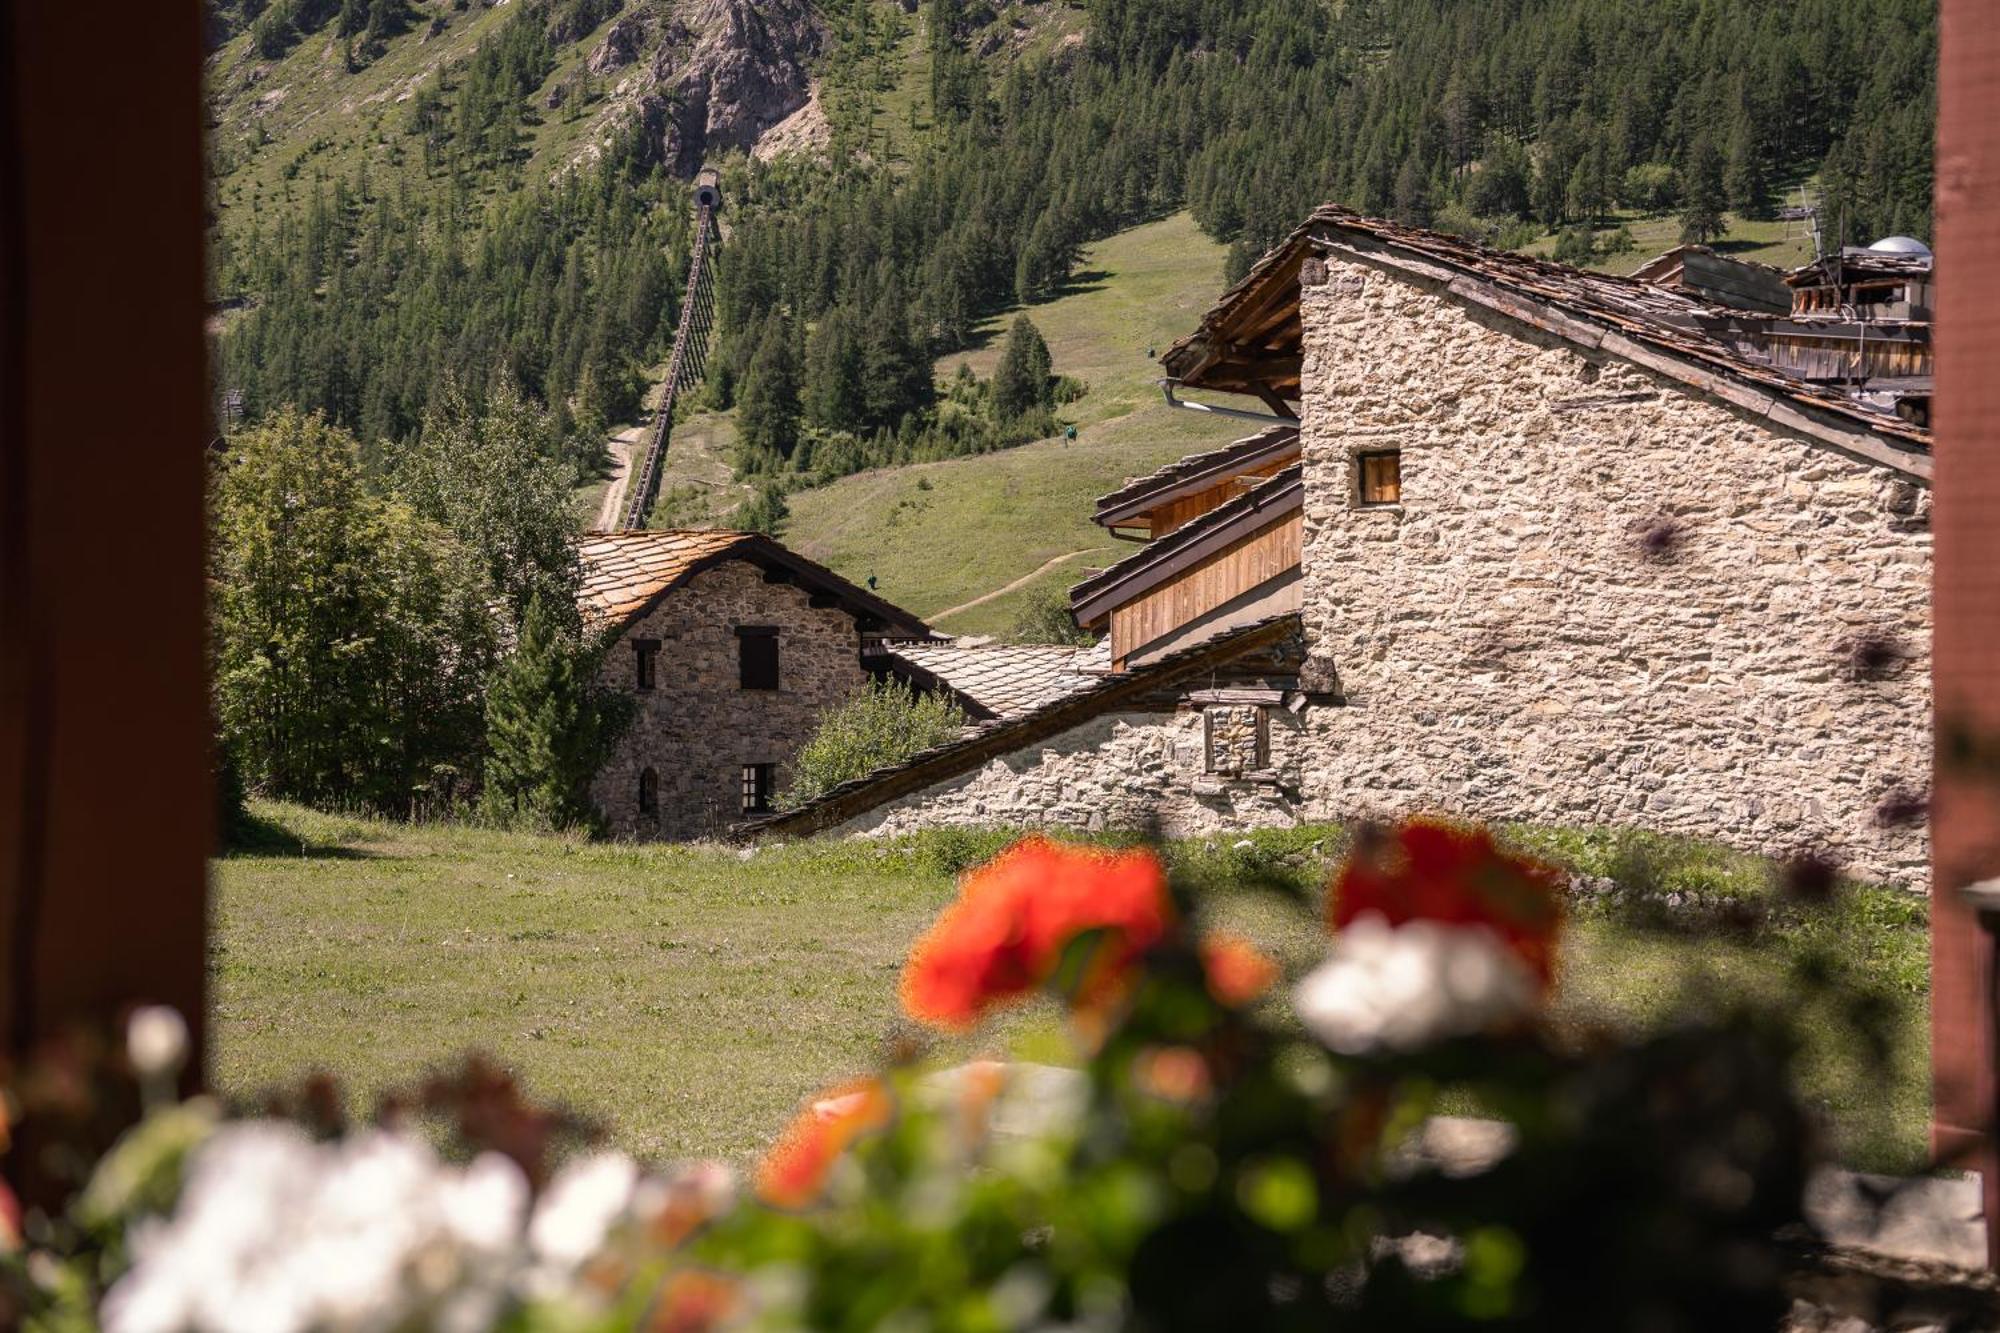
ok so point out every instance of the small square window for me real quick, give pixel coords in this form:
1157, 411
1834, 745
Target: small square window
758, 781
757, 657
1380, 476
646, 654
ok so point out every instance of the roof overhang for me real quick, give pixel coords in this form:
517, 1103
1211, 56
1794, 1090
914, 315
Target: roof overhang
1173, 555
1149, 493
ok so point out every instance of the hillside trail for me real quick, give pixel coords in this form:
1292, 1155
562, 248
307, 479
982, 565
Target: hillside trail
612, 506
1016, 585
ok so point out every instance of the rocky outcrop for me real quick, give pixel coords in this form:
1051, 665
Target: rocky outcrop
719, 75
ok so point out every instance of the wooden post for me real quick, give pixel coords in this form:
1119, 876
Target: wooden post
105, 810
1965, 825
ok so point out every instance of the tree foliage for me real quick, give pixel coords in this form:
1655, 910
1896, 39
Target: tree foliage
494, 476
352, 635
883, 725
1024, 381
549, 725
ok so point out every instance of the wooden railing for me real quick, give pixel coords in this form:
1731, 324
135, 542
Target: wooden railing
684, 369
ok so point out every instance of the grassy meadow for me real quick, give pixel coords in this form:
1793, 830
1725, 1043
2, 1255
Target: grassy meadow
691, 997
937, 535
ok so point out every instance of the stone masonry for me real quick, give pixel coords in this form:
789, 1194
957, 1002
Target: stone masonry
698, 727
1603, 599
1122, 771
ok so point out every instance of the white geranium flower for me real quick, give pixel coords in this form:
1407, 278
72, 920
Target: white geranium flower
156, 1041
1401, 988
277, 1234
579, 1208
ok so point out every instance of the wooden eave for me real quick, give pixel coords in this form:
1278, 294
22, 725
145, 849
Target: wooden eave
1137, 501
942, 763
1170, 557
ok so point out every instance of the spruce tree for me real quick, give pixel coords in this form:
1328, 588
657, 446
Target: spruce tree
1022, 382
1703, 197
767, 421
549, 727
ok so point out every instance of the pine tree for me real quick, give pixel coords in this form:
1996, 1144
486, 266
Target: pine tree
549, 727
1702, 197
1022, 382
1747, 177
767, 421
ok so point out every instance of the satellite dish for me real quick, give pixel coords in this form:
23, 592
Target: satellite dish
1900, 245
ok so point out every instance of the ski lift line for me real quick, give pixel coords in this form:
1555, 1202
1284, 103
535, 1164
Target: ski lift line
688, 360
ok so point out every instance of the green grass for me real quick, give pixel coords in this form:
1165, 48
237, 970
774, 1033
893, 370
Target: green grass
940, 534
691, 998
1780, 244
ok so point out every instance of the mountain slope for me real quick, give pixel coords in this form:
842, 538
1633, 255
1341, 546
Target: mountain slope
939, 534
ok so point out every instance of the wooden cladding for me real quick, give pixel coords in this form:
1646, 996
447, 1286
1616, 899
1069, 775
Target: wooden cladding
1186, 509
1379, 476
1216, 581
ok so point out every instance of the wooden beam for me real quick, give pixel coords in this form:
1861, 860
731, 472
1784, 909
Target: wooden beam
1271, 400
1965, 805
106, 815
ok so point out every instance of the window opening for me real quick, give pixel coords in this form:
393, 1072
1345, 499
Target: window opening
757, 650
1381, 476
758, 780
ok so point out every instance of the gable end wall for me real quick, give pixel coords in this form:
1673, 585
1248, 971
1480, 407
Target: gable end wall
699, 727
1604, 600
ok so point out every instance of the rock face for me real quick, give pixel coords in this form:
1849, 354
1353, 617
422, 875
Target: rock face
721, 72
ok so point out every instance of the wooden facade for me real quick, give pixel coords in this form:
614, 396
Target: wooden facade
1183, 510
1207, 586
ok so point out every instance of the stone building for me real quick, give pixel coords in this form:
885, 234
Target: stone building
1520, 543
731, 647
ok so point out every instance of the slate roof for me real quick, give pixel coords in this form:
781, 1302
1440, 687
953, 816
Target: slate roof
1665, 330
1188, 544
1196, 472
626, 573
1007, 680
1004, 736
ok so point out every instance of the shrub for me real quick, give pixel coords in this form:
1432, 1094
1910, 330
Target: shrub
1046, 619
883, 725
1575, 246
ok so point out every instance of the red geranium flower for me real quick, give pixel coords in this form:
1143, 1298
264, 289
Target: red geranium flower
1006, 933
795, 1170
1430, 870
1236, 970
694, 1302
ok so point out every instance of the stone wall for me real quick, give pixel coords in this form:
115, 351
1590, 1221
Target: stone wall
1603, 599
1122, 771
698, 728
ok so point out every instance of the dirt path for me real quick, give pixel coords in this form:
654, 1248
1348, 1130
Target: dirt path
1017, 584
611, 509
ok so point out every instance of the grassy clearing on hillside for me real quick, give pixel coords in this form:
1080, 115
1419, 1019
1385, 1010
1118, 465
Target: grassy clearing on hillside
692, 997
940, 534
1781, 244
